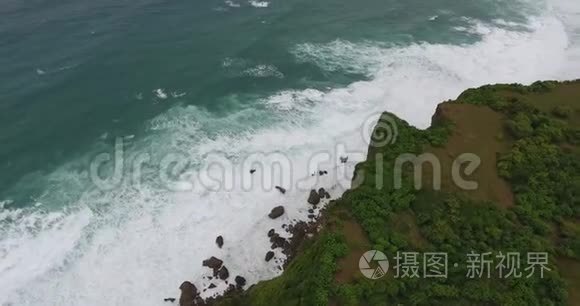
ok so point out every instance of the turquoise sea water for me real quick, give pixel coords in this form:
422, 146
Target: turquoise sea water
198, 77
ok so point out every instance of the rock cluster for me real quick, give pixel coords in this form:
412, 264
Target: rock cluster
190, 296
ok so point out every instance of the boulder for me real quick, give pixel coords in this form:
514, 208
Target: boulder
276, 212
240, 281
213, 263
282, 190
223, 273
321, 192
252, 171
311, 216
343, 159
269, 256
171, 300
327, 195
313, 198
271, 233
211, 286
189, 294
219, 241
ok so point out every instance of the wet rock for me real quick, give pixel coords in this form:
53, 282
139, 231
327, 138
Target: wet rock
282, 190
313, 198
171, 300
327, 195
269, 256
189, 294
223, 273
219, 241
276, 212
212, 263
311, 216
311, 211
271, 233
211, 286
278, 242
240, 281
321, 192
252, 171
343, 159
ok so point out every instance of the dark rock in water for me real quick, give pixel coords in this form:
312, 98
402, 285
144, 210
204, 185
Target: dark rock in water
240, 281
189, 294
344, 159
282, 190
219, 241
321, 192
211, 286
271, 233
252, 171
311, 211
172, 300
327, 195
320, 173
269, 256
311, 216
276, 212
213, 263
313, 198
278, 242
223, 273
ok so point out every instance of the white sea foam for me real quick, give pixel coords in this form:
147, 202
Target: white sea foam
231, 3
134, 245
263, 71
259, 4
160, 93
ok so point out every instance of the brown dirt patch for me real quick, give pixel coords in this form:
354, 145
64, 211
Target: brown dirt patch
478, 130
570, 271
358, 243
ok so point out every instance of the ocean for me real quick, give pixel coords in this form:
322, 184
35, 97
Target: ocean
175, 101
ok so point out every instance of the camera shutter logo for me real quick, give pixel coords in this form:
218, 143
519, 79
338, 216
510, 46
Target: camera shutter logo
375, 259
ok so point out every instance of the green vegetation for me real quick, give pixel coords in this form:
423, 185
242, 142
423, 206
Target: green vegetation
541, 163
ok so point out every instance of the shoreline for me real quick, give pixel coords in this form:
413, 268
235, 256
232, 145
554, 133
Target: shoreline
305, 237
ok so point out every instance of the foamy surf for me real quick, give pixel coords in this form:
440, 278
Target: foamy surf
259, 4
134, 245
